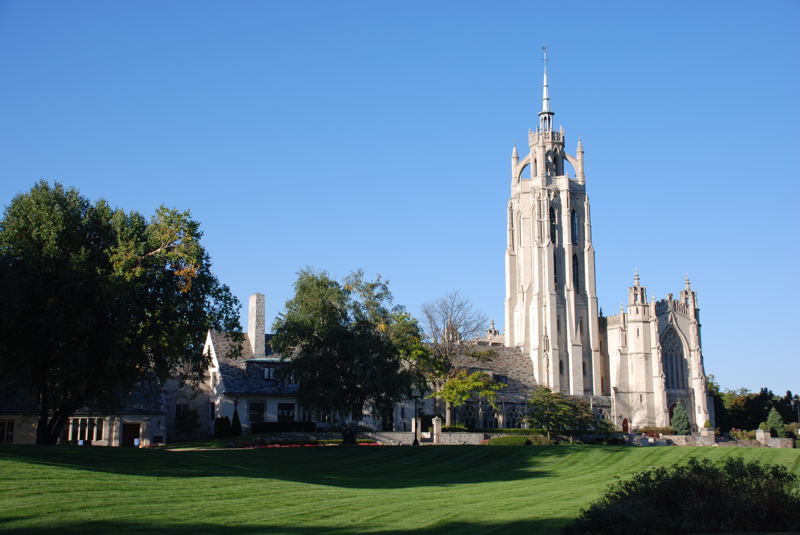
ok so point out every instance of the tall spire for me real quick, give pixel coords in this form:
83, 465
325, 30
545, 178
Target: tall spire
545, 86
545, 116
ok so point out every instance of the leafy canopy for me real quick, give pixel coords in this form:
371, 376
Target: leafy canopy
97, 299
553, 411
350, 349
463, 386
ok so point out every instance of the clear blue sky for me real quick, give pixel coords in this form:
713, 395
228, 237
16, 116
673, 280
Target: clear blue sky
377, 135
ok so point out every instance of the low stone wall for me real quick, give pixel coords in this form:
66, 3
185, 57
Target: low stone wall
771, 442
690, 440
461, 439
393, 438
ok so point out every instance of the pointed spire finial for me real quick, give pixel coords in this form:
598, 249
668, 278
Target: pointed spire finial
686, 284
514, 153
636, 277
546, 86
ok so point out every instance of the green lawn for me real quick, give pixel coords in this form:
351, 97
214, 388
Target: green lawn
322, 491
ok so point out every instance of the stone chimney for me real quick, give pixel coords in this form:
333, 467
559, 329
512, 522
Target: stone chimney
256, 324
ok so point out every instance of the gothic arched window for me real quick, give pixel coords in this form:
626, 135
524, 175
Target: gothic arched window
576, 273
553, 226
555, 268
574, 222
673, 360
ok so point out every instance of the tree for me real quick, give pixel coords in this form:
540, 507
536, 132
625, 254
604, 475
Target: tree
775, 424
463, 386
680, 420
450, 321
97, 300
554, 411
347, 346
236, 424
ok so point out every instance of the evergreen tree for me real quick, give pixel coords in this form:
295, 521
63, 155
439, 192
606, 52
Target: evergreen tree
236, 425
775, 424
680, 420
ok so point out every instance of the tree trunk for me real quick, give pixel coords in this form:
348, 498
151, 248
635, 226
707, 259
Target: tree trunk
349, 434
448, 410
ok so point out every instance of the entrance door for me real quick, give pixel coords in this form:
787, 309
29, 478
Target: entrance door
130, 433
625, 425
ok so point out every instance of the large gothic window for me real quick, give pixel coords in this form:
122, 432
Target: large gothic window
673, 360
574, 225
576, 273
553, 226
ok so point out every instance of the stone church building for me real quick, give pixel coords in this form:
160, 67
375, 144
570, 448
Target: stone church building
636, 365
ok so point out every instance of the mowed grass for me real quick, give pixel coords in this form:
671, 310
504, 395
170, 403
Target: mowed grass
327, 491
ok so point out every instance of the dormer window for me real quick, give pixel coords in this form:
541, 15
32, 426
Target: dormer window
269, 373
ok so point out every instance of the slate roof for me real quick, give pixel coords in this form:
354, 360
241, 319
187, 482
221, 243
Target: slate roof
509, 362
245, 375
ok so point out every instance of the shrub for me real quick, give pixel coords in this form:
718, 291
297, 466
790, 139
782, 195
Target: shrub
456, 428
680, 421
521, 440
512, 431
742, 434
699, 497
222, 427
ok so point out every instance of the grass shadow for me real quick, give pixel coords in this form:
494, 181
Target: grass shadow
368, 467
544, 526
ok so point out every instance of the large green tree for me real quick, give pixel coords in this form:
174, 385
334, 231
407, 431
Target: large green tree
349, 348
554, 412
463, 386
96, 299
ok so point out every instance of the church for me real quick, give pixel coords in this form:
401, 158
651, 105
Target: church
634, 366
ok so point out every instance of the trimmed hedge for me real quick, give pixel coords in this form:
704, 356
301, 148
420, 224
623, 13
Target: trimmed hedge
512, 431
521, 440
458, 428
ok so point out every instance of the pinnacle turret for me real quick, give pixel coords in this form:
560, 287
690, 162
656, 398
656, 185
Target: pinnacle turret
545, 116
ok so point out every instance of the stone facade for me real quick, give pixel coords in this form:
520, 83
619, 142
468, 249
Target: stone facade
645, 359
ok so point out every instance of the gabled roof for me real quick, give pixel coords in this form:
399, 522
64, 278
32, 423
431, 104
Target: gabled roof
245, 375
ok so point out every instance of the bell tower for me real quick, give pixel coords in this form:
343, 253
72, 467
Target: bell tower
551, 306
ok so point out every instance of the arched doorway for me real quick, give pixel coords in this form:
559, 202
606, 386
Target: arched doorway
625, 425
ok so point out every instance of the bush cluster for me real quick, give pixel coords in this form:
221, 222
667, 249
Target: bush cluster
699, 497
521, 440
743, 434
455, 428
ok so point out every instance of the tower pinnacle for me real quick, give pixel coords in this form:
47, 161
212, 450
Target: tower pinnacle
545, 116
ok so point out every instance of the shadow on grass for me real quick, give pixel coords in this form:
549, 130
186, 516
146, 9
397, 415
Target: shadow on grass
527, 527
363, 467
